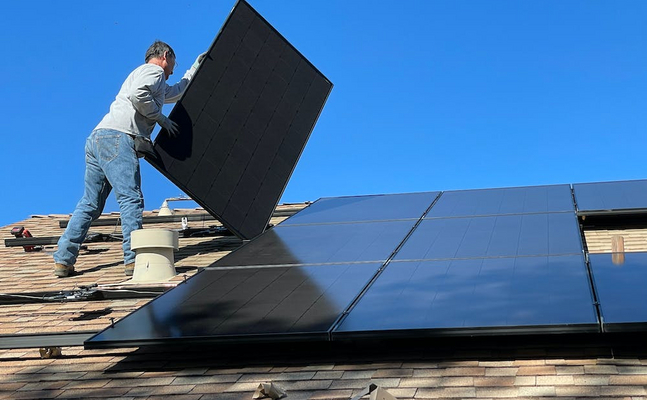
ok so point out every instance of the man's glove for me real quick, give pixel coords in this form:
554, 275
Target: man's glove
199, 60
170, 126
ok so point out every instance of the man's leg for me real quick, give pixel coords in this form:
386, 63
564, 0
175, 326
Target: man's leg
87, 210
123, 173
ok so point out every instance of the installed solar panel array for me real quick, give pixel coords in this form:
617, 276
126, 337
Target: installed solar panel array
484, 261
293, 282
492, 262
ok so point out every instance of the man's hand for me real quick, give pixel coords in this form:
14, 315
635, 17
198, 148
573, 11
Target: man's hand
199, 60
171, 127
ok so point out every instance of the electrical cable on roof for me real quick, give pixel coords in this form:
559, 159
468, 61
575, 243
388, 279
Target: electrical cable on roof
117, 223
22, 296
75, 295
127, 291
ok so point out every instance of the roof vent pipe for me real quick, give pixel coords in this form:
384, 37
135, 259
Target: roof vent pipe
154, 254
164, 209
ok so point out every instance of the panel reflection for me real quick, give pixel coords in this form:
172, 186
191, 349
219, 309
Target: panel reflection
606, 196
520, 200
364, 208
495, 236
476, 293
317, 244
621, 287
246, 302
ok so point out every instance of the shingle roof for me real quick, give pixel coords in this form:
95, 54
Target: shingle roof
599, 241
461, 368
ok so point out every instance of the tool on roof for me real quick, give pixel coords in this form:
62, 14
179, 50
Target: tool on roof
22, 232
30, 243
269, 390
375, 392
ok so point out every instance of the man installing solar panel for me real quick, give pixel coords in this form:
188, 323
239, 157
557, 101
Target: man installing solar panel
111, 156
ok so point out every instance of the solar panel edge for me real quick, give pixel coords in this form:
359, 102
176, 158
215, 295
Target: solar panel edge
465, 332
619, 282
301, 151
238, 3
610, 197
288, 42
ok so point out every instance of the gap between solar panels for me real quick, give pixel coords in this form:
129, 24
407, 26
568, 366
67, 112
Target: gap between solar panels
244, 121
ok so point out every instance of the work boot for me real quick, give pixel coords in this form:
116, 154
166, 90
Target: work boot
62, 270
129, 269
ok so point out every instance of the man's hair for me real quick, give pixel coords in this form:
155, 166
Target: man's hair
157, 50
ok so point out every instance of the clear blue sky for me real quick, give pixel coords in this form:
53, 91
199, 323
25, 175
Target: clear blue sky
429, 94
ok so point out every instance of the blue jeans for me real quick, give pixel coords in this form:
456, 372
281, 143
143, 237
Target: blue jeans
110, 162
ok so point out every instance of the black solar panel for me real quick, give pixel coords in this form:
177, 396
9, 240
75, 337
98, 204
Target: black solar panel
316, 244
604, 197
245, 304
496, 236
520, 200
244, 121
476, 296
364, 208
373, 266
621, 290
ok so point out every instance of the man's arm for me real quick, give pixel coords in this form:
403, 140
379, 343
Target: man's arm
145, 103
173, 93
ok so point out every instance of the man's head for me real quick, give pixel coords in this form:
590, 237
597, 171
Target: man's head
163, 55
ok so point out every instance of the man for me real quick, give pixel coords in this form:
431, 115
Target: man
110, 158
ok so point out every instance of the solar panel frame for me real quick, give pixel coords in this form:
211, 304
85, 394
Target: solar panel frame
493, 236
244, 120
316, 244
502, 201
619, 283
475, 297
349, 209
616, 197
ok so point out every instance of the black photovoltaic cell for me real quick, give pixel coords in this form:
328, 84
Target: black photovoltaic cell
253, 304
317, 244
522, 295
621, 290
494, 236
519, 200
364, 208
603, 197
244, 121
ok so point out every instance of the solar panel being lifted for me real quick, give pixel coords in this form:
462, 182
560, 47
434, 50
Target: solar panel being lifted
244, 121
